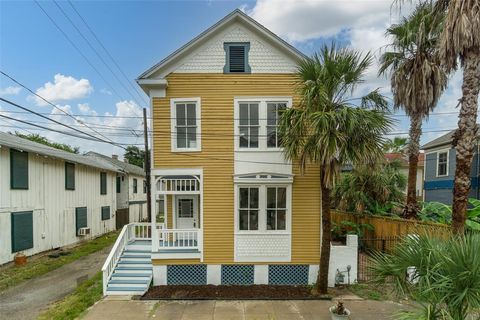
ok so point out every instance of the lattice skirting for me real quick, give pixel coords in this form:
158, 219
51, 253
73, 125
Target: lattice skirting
236, 274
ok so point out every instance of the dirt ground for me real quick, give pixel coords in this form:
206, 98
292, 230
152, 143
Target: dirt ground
26, 300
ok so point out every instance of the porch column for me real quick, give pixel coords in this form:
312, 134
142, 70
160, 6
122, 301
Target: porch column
153, 217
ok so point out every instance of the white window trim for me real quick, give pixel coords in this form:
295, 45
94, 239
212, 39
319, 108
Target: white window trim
262, 210
262, 115
447, 151
173, 130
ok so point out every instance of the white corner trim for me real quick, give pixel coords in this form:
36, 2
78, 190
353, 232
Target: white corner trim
312, 273
160, 275
173, 131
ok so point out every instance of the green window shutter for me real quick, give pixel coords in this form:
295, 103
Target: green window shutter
69, 176
135, 186
18, 169
105, 213
118, 184
22, 230
80, 218
103, 183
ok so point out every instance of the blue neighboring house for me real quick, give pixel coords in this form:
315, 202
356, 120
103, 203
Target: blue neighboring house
440, 170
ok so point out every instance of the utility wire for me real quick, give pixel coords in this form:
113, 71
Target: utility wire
79, 51
53, 120
50, 103
135, 88
95, 50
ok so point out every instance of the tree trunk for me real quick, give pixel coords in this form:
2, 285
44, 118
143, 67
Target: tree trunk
411, 208
322, 278
465, 137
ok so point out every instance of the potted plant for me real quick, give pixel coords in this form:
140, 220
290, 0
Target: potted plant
339, 312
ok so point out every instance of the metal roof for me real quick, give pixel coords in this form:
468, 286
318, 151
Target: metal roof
14, 142
120, 165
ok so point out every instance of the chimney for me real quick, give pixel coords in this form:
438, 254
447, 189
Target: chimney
115, 156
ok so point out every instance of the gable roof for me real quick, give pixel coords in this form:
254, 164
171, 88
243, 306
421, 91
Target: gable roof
235, 16
14, 142
120, 165
446, 139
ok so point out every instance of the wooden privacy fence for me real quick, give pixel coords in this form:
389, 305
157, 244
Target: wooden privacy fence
388, 227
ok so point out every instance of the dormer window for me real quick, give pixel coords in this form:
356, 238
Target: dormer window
236, 57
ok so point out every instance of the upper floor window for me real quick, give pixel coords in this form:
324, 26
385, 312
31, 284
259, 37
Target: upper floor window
256, 122
103, 183
442, 163
236, 60
273, 114
248, 125
18, 169
185, 124
135, 185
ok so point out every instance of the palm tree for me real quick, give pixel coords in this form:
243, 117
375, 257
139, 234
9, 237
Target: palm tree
396, 145
417, 81
327, 129
444, 275
460, 39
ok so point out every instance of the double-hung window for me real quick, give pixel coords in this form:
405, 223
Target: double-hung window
185, 124
273, 114
276, 208
263, 208
248, 125
256, 123
442, 164
248, 208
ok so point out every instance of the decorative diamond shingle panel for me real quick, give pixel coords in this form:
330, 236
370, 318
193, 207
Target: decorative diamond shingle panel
239, 274
288, 274
187, 274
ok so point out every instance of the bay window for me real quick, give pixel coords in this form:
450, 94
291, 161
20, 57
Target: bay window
185, 124
262, 208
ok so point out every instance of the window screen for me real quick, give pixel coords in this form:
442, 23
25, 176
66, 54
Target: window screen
80, 218
135, 186
69, 176
105, 213
18, 169
119, 181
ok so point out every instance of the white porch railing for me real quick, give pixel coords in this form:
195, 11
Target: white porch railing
170, 239
175, 186
130, 232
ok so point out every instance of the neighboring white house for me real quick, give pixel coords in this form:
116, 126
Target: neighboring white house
50, 198
130, 189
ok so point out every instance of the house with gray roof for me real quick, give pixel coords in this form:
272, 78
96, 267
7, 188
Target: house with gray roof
130, 188
51, 198
440, 170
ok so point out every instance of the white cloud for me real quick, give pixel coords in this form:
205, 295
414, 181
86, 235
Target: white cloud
310, 19
64, 88
11, 90
105, 91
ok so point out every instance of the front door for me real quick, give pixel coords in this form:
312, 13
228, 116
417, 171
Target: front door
187, 212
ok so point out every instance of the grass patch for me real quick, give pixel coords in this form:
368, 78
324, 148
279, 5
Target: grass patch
11, 276
370, 292
73, 305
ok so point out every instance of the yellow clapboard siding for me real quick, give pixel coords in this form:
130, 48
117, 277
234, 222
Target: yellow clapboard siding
217, 92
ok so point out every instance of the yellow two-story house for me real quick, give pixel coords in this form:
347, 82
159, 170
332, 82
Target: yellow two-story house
233, 209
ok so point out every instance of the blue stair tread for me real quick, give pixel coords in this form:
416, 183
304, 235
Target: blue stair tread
126, 288
147, 262
137, 250
179, 251
129, 282
116, 275
136, 256
133, 268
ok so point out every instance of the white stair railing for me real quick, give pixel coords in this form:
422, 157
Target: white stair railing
179, 239
114, 255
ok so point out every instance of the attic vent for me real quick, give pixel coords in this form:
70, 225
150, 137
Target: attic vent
237, 57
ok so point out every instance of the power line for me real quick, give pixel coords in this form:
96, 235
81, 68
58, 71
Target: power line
50, 103
79, 51
53, 120
135, 88
94, 50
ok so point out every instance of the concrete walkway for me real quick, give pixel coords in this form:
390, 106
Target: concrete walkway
116, 308
25, 301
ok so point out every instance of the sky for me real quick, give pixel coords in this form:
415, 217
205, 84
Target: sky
87, 83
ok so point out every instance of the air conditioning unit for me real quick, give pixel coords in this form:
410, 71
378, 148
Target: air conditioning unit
83, 231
